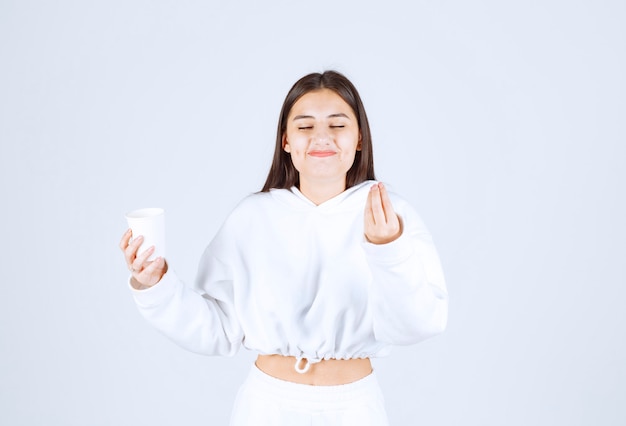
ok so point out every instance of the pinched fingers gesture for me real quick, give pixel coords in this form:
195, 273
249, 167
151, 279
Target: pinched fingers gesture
382, 224
146, 273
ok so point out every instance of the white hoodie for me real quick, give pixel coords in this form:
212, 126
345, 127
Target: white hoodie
284, 276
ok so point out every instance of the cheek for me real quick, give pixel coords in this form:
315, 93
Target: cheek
348, 158
297, 145
350, 145
296, 155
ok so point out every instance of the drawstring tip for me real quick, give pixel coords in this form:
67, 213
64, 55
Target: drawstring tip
304, 369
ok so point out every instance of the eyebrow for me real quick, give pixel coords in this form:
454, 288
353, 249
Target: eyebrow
340, 114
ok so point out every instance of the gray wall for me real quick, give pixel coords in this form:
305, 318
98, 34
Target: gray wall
502, 122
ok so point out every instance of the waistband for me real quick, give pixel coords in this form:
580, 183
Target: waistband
296, 393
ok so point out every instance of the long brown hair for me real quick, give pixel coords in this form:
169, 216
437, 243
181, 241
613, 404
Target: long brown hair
282, 174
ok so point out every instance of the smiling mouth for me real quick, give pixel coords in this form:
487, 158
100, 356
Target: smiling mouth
321, 153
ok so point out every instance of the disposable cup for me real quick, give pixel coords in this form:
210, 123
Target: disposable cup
149, 223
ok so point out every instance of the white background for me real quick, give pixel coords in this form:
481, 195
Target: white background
502, 122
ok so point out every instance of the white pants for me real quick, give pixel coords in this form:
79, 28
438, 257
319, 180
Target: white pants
266, 401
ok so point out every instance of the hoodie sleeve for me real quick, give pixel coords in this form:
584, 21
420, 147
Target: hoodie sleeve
200, 319
410, 300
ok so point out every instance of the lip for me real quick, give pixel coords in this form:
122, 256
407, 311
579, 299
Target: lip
322, 153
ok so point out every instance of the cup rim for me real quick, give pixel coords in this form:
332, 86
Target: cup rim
144, 213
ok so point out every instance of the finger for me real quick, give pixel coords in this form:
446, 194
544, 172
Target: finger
130, 253
393, 220
154, 267
153, 272
377, 206
386, 202
140, 261
125, 239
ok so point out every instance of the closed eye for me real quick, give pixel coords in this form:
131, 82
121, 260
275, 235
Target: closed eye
337, 127
305, 127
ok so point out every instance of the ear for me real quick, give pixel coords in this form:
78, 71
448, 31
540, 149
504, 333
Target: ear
286, 146
360, 143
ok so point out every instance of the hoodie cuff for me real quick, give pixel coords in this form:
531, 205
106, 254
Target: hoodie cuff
391, 253
161, 291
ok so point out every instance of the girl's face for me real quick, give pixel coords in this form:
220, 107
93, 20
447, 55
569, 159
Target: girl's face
322, 137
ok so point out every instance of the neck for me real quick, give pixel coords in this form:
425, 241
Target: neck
321, 191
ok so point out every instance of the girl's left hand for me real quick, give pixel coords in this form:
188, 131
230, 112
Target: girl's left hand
382, 224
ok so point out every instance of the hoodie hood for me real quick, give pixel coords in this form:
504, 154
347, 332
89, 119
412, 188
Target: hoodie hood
351, 197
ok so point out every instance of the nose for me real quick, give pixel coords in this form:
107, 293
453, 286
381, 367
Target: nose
321, 136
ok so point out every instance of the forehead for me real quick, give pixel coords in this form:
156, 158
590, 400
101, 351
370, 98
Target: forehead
321, 103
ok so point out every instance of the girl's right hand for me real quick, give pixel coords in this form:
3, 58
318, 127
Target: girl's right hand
145, 273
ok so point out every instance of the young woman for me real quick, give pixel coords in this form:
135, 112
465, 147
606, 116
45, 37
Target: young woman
319, 272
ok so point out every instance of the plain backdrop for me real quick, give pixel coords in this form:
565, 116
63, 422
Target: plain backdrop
502, 122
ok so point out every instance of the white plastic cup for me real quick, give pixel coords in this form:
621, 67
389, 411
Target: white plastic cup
150, 223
